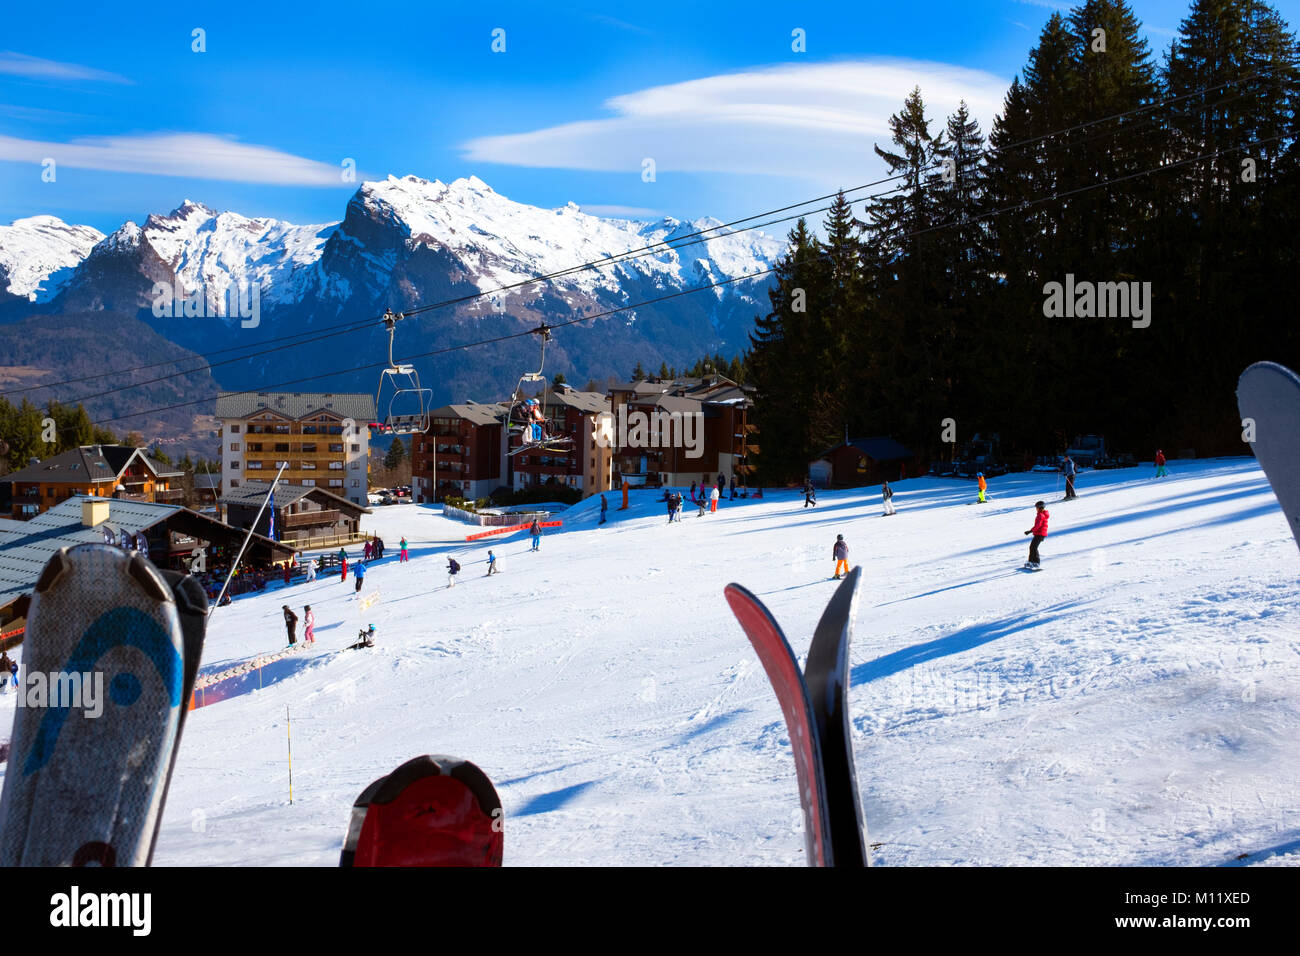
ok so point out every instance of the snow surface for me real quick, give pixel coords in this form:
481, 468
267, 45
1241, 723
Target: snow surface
34, 249
1136, 702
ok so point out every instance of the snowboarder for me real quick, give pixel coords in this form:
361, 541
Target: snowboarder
308, 625
1160, 464
604, 507
714, 495
403, 556
535, 529
361, 577
809, 493
984, 485
453, 568
1068, 469
311, 570
492, 563
290, 624
841, 554
887, 495
1039, 532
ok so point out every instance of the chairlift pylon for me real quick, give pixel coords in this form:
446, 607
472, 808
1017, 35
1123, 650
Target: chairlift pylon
409, 404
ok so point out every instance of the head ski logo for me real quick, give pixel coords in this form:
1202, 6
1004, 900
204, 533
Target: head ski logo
120, 626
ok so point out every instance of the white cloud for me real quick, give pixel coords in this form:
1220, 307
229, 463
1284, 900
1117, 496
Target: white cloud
815, 122
20, 64
195, 155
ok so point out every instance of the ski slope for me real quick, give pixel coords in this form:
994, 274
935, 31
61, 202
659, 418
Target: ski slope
1135, 703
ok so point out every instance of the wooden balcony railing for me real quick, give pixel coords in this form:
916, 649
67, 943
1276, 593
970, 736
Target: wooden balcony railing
308, 519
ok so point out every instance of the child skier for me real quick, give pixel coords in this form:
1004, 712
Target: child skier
311, 570
887, 495
983, 487
308, 625
604, 506
535, 529
841, 555
343, 565
1039, 532
713, 498
1160, 464
453, 568
492, 562
1068, 469
403, 556
809, 493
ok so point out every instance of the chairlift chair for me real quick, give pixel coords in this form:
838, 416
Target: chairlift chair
527, 417
409, 404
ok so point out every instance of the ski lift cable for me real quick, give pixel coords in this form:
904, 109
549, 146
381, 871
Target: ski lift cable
1164, 167
651, 249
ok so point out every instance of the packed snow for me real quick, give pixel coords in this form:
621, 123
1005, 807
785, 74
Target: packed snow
37, 254
1137, 702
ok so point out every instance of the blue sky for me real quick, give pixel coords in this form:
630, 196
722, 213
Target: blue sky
260, 122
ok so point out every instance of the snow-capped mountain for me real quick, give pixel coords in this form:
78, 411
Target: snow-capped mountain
404, 243
37, 255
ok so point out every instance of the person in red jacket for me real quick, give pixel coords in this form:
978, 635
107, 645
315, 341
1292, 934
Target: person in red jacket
1039, 532
1160, 464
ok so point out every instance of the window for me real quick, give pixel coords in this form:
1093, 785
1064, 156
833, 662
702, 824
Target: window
336, 482
356, 447
336, 429
282, 446
282, 429
336, 448
253, 466
309, 429
356, 482
355, 464
307, 466
336, 466
309, 449
254, 446
234, 482
234, 429
234, 465
234, 446
309, 481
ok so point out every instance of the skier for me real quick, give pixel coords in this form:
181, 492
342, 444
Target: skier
492, 563
604, 506
290, 624
886, 495
809, 493
403, 556
367, 552
692, 492
361, 577
1039, 532
1160, 464
702, 503
311, 570
365, 638
379, 548
535, 530
308, 625
714, 495
343, 565
453, 568
1068, 469
841, 554
4, 672
672, 501
288, 572
984, 485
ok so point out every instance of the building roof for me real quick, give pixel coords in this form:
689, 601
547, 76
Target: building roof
207, 481
252, 492
474, 413
26, 546
877, 449
669, 403
295, 405
582, 401
88, 464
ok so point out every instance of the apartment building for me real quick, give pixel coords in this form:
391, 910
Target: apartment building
105, 471
323, 436
587, 464
461, 454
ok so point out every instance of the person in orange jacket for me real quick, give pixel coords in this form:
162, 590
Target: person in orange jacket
1039, 532
984, 486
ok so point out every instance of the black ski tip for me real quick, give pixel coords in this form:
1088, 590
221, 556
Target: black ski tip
55, 568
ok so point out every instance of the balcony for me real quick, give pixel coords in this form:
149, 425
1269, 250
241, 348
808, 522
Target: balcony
311, 519
172, 496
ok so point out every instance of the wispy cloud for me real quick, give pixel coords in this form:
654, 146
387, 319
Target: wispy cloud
20, 64
1046, 4
815, 122
196, 155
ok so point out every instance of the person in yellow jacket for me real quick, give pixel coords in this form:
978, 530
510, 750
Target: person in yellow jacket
984, 485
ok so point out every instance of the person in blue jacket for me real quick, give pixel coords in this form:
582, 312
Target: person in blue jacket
360, 573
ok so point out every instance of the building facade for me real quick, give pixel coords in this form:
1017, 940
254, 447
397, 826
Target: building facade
587, 464
305, 516
461, 454
103, 471
323, 436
